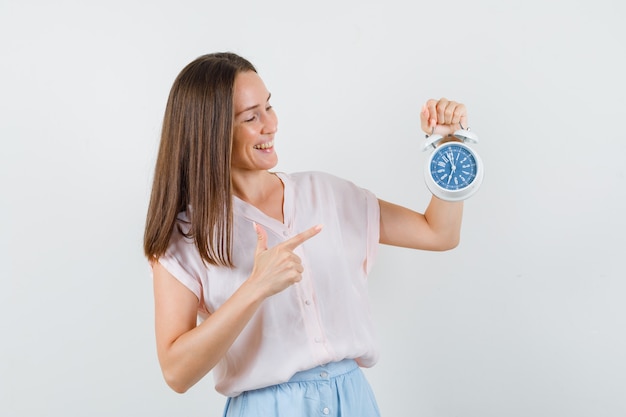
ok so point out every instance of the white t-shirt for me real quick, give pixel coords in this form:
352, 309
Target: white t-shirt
325, 317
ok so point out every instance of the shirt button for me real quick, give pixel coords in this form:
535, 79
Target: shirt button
326, 410
285, 233
307, 302
324, 374
318, 340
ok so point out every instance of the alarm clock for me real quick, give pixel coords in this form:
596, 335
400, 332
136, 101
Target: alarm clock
453, 171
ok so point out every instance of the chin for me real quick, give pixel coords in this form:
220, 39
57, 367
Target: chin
271, 164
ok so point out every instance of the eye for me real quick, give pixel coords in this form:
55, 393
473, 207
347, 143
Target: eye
250, 119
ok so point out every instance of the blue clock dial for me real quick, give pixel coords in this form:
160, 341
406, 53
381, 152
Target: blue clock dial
453, 166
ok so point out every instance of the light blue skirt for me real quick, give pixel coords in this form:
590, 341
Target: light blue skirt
337, 389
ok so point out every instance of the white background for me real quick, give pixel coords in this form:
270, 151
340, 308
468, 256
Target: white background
525, 318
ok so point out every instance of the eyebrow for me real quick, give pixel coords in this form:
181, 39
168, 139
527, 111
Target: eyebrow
253, 107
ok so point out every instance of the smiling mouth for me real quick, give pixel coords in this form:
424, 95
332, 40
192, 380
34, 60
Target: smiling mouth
265, 145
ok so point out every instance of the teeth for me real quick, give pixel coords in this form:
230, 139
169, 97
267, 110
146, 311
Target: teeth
266, 145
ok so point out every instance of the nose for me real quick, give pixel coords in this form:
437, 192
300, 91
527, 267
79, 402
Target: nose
270, 124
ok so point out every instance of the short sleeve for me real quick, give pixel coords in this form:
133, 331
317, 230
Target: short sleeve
183, 261
373, 229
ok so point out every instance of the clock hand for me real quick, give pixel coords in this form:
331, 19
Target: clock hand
451, 158
452, 166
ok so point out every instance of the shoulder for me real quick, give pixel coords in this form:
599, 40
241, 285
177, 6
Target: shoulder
327, 189
319, 179
181, 245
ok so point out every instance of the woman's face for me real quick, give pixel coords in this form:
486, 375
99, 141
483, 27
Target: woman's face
255, 125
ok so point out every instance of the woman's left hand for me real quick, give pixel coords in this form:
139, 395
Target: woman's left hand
443, 117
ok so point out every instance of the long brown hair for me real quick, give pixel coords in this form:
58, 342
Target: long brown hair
193, 164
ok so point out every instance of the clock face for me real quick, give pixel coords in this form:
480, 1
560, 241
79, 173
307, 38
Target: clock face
453, 166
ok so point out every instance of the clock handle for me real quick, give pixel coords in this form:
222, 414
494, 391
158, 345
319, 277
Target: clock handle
466, 135
431, 141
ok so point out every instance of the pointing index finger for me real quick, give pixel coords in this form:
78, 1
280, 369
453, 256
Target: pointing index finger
300, 238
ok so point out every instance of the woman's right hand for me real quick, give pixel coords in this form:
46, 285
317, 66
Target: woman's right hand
279, 267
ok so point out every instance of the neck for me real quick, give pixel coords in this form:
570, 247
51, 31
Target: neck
252, 186
263, 190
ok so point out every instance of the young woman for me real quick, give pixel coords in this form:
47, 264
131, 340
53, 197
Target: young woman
274, 265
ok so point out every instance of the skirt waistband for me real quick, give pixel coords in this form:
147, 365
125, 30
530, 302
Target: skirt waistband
325, 372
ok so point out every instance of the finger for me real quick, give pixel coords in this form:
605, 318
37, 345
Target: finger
300, 238
459, 112
424, 120
431, 106
442, 106
450, 111
456, 111
463, 121
297, 270
261, 244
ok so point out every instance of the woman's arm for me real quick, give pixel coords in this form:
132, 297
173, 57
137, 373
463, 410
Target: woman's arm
188, 352
439, 228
